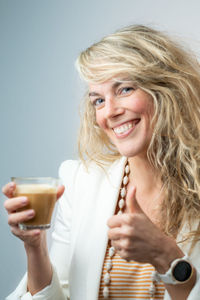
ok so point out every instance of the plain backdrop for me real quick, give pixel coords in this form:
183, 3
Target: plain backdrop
40, 89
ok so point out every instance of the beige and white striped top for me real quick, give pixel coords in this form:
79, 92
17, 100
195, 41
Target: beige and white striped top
129, 280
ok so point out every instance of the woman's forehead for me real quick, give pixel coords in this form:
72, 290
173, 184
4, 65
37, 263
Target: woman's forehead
114, 81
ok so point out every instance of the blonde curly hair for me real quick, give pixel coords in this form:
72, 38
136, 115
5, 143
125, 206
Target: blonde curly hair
171, 75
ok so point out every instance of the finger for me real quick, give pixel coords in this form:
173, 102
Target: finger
121, 250
114, 233
131, 201
114, 221
126, 255
60, 191
20, 217
116, 245
24, 233
8, 189
13, 204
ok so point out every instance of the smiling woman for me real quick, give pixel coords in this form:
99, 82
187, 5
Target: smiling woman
127, 225
124, 114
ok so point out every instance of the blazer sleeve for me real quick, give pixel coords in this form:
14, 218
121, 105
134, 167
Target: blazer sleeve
60, 248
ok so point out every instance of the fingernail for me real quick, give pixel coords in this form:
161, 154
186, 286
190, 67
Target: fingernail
37, 232
11, 185
24, 200
30, 213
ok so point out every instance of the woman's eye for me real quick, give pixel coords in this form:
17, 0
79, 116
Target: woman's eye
126, 90
98, 102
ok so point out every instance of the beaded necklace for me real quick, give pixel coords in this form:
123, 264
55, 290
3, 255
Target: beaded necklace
112, 251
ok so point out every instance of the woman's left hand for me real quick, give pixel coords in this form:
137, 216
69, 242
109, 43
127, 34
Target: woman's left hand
135, 237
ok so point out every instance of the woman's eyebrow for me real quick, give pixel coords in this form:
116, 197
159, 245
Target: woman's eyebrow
114, 86
92, 94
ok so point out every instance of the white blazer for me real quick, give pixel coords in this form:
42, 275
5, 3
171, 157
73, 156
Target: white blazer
80, 239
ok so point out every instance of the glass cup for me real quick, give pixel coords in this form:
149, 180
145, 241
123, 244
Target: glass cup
42, 194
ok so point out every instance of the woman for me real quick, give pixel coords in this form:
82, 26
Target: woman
128, 223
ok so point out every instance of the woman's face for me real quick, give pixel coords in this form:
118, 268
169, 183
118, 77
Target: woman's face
124, 114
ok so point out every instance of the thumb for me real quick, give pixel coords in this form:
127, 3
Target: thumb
60, 191
131, 201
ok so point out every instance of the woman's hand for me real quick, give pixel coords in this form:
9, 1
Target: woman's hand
135, 237
40, 274
29, 237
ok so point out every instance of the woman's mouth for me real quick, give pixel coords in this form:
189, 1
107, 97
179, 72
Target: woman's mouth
126, 128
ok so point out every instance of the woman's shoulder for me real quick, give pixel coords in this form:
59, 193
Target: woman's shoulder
69, 168
69, 165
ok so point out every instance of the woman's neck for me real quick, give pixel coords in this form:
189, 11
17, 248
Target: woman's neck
143, 174
149, 188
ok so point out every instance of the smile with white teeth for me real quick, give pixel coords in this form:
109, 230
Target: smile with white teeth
125, 127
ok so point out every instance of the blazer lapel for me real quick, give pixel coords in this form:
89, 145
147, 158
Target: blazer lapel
106, 204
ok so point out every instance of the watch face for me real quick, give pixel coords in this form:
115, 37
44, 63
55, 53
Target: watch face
182, 271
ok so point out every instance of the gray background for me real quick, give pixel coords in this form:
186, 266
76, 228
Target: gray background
40, 89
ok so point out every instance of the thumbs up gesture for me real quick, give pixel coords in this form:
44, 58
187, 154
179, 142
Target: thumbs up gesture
131, 202
136, 237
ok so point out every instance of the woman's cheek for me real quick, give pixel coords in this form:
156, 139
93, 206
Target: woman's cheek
101, 123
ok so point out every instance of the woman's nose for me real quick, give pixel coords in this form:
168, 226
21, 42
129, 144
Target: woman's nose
112, 108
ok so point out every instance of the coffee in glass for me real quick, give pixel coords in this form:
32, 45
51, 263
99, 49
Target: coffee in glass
41, 193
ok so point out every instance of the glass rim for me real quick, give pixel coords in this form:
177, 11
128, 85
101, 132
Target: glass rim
33, 177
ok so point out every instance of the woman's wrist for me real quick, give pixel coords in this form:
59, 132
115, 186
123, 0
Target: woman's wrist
40, 273
166, 255
37, 245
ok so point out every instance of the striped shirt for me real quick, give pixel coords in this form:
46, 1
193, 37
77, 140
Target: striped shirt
129, 280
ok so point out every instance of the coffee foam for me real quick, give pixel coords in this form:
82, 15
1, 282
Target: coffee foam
35, 189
